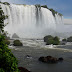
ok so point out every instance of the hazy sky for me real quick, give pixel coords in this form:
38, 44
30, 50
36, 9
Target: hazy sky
62, 6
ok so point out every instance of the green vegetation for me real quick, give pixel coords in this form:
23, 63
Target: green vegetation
2, 18
17, 43
69, 39
38, 5
7, 41
5, 34
52, 10
8, 62
60, 14
64, 40
5, 3
47, 37
55, 12
45, 6
56, 41
51, 40
1, 70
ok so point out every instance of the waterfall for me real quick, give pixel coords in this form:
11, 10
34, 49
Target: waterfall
29, 21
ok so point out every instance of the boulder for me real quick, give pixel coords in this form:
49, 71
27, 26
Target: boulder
22, 69
50, 59
28, 57
43, 59
60, 59
17, 43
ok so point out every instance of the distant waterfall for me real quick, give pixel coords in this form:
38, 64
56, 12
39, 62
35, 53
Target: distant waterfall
29, 21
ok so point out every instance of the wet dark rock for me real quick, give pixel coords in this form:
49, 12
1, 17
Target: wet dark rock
60, 59
28, 56
50, 59
41, 59
22, 69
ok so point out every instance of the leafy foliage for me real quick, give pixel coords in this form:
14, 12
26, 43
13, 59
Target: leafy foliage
5, 35
2, 18
47, 37
64, 40
55, 12
7, 41
5, 3
51, 40
45, 6
38, 5
69, 39
56, 40
60, 14
52, 10
8, 62
17, 43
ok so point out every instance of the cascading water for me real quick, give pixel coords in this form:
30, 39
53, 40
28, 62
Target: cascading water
29, 21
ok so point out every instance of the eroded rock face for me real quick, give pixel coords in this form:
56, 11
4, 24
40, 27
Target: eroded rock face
22, 69
50, 59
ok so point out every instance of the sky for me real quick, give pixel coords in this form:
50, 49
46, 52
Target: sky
61, 6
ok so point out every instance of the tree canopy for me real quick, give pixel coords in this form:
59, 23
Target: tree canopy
8, 62
2, 18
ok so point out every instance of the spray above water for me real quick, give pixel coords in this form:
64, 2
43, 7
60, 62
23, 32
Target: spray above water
29, 21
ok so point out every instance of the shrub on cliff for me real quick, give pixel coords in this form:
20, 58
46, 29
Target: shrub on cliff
44, 6
53, 11
17, 43
6, 3
38, 5
2, 70
60, 14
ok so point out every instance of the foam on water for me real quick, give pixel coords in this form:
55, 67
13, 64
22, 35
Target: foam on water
40, 44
